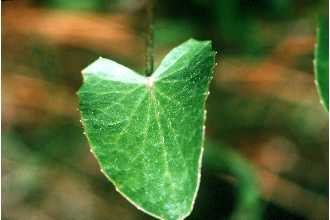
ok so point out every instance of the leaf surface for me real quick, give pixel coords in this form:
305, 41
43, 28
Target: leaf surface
147, 132
321, 64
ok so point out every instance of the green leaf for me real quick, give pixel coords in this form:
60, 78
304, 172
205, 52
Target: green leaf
321, 64
147, 132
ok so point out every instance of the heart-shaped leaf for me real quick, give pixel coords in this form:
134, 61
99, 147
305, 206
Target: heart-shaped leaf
321, 64
147, 132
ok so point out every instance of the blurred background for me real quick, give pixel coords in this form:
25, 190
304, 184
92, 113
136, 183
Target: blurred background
267, 135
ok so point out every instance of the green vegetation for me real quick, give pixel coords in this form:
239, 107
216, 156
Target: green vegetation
147, 132
322, 61
266, 142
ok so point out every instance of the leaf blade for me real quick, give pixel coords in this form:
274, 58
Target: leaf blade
146, 133
321, 64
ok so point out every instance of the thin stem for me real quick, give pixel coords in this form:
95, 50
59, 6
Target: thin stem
149, 58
